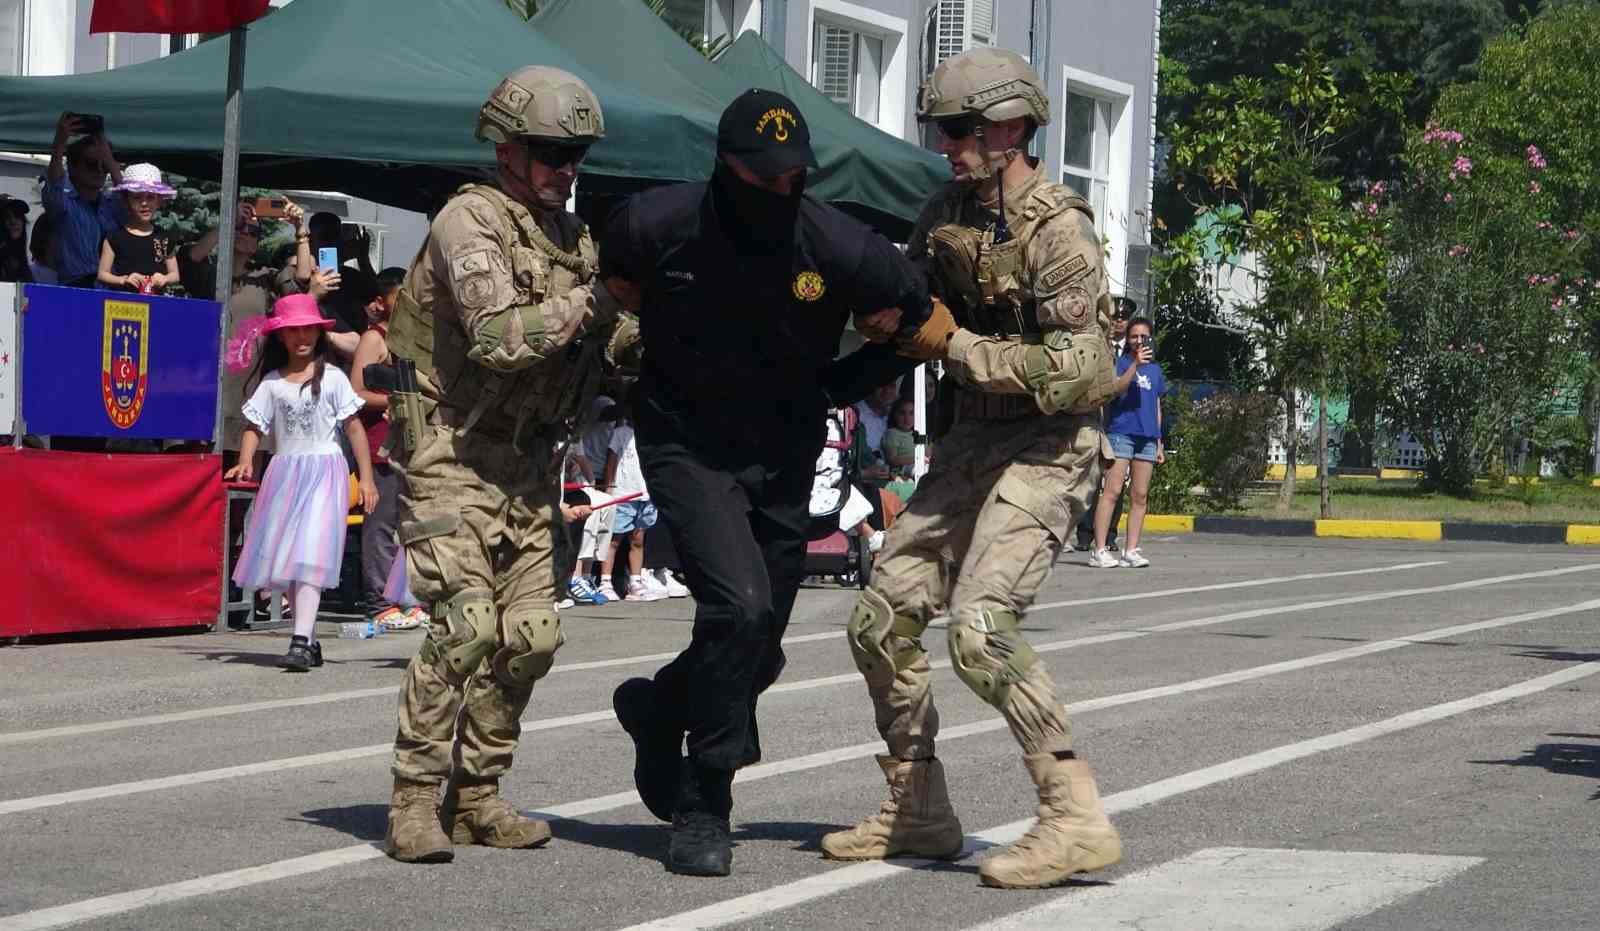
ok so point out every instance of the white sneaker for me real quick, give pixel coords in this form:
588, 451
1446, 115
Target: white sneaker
1133, 559
564, 604
610, 593
670, 584
640, 590
1102, 559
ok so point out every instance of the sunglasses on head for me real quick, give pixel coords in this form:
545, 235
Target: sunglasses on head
959, 128
555, 156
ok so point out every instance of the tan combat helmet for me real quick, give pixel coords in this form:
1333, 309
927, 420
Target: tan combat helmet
994, 83
544, 103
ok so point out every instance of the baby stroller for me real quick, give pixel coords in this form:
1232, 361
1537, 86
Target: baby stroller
835, 505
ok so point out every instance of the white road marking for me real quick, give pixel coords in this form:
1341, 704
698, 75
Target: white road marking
312, 863
114, 790
74, 730
768, 901
1244, 889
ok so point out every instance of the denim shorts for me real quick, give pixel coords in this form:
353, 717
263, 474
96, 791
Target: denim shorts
633, 515
1124, 446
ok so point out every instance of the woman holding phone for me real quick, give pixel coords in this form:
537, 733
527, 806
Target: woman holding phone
1134, 430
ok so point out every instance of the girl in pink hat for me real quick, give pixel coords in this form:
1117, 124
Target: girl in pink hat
294, 539
136, 257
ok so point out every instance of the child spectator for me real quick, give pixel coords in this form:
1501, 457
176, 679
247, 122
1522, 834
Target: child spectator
81, 214
575, 509
1134, 430
14, 240
134, 257
41, 252
294, 539
379, 543
624, 477
586, 463
900, 449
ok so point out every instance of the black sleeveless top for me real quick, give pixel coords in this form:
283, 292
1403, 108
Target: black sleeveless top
134, 254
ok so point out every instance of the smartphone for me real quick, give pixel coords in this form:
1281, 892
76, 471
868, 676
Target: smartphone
350, 232
328, 258
271, 208
92, 124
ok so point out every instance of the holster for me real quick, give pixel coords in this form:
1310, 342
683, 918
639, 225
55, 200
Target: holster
405, 413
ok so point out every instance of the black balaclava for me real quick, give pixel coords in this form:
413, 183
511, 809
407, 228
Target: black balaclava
751, 217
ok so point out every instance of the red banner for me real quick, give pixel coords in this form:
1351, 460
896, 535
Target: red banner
109, 542
174, 16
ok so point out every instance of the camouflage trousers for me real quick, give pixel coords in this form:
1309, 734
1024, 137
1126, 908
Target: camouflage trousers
977, 539
478, 523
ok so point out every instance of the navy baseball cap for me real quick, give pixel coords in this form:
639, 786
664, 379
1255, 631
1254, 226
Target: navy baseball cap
767, 132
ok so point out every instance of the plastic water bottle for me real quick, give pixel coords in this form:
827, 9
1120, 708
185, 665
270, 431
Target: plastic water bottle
357, 630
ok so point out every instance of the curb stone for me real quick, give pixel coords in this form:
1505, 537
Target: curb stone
1423, 530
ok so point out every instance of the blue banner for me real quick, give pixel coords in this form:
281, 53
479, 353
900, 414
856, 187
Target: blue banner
114, 364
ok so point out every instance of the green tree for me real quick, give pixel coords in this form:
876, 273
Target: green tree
1495, 290
1266, 153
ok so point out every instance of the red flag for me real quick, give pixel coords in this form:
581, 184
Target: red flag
174, 16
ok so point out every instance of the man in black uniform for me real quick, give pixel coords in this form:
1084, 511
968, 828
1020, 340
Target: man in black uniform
744, 287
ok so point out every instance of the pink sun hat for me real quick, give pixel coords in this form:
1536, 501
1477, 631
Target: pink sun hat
144, 178
296, 310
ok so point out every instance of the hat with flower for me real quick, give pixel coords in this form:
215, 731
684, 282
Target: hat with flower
291, 311
144, 178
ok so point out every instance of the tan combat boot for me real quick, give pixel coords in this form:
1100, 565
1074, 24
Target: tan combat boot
414, 832
483, 817
1072, 834
917, 820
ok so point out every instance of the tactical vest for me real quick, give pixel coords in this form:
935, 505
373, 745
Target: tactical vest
987, 287
532, 407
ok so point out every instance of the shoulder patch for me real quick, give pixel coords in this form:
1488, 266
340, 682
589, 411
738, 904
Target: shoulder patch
1062, 274
472, 275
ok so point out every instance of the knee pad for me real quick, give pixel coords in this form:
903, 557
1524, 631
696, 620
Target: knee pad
468, 634
988, 653
528, 647
874, 631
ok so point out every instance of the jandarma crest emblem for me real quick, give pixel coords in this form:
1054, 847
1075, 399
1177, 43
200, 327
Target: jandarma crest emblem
124, 361
775, 116
809, 286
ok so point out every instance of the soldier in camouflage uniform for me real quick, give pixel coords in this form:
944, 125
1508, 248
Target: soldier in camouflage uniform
508, 328
1024, 341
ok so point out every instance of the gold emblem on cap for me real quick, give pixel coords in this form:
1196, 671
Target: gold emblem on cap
775, 116
808, 286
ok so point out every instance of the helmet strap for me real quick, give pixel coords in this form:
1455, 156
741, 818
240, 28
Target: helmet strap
1002, 230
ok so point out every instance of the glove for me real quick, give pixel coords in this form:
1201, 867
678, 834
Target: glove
932, 339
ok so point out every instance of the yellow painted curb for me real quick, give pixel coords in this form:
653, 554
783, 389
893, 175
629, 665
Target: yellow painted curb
1583, 534
1357, 478
1276, 471
1399, 473
1381, 529
1595, 482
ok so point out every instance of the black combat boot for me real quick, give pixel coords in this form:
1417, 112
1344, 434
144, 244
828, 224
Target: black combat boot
657, 745
700, 844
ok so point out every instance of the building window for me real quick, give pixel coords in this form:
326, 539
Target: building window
847, 66
1086, 158
962, 24
12, 40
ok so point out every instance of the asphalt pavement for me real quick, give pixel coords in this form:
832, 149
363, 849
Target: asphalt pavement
1289, 734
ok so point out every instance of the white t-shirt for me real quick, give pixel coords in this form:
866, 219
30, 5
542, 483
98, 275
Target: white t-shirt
874, 423
300, 422
629, 478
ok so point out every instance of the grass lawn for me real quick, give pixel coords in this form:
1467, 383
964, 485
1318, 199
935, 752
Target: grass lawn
1548, 502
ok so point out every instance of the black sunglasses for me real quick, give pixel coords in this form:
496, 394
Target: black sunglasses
958, 129
555, 156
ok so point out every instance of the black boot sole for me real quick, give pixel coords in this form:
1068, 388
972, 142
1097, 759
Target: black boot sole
700, 869
656, 769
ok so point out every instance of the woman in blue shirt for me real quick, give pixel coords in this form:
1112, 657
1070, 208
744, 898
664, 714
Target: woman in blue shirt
1134, 428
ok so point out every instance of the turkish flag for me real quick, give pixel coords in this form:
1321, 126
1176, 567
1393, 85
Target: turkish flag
174, 16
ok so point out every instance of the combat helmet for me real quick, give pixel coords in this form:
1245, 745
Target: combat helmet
544, 103
993, 83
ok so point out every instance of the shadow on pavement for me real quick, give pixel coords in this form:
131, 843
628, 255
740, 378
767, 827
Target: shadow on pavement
649, 841
1562, 759
363, 822
1564, 656
272, 660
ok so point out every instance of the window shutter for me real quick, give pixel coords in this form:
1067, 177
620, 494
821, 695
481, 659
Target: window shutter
952, 30
835, 51
980, 15
11, 37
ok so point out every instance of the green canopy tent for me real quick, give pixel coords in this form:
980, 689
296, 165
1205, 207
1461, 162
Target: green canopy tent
882, 179
374, 98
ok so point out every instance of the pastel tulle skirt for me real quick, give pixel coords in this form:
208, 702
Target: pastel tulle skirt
296, 528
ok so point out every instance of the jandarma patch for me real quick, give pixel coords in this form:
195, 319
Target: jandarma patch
1065, 273
809, 286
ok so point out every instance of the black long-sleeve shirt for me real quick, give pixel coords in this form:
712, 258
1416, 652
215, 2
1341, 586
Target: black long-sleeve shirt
739, 341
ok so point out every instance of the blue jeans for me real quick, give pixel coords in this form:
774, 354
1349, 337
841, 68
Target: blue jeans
1124, 446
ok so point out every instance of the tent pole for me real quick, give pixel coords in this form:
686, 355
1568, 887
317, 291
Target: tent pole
919, 420
233, 117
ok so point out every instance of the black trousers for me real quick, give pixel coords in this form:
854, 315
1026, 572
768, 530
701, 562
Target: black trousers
740, 535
